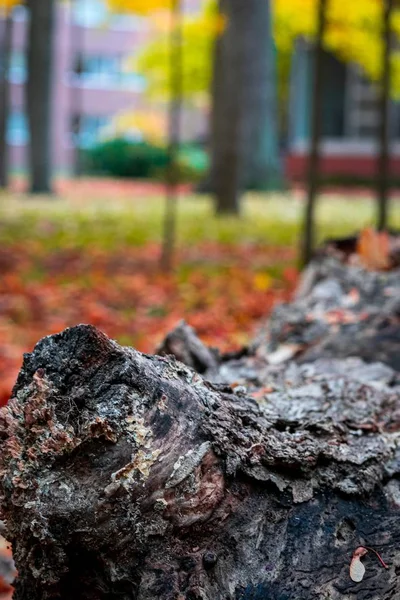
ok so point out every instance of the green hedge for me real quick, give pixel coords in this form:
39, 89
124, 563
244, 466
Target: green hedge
123, 158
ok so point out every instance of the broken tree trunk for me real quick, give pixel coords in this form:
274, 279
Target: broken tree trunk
130, 476
341, 309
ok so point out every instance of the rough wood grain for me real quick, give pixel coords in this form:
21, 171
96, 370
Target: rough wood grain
340, 310
126, 476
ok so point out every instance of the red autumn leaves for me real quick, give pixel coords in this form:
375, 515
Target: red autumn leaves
222, 291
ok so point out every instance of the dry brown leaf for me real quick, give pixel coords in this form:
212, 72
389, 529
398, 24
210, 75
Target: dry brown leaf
373, 248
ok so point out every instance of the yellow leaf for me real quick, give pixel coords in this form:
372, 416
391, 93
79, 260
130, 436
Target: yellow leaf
262, 281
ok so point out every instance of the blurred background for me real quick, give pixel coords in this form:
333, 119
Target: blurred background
162, 159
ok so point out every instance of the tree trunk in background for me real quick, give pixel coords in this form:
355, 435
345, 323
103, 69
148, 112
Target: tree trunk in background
39, 93
76, 97
383, 160
5, 50
244, 140
174, 134
307, 240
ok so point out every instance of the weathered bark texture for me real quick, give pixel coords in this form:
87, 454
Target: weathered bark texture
39, 101
340, 310
128, 476
183, 343
244, 125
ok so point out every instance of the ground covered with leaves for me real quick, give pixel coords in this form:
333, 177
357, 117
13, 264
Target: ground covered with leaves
91, 255
221, 290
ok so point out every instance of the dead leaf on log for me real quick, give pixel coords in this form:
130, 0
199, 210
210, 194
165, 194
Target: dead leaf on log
357, 569
373, 249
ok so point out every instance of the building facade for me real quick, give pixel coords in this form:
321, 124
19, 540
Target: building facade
91, 83
350, 120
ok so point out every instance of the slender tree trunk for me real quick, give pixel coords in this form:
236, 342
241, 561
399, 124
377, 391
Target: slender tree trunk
174, 134
383, 160
76, 99
314, 160
5, 50
244, 136
39, 93
207, 185
226, 161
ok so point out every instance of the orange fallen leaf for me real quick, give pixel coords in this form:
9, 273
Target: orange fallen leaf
373, 248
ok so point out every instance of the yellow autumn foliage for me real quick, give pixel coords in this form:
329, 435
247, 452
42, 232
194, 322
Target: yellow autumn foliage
353, 35
151, 124
7, 5
199, 33
140, 7
354, 32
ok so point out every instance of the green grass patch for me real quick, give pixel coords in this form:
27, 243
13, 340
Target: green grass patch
108, 223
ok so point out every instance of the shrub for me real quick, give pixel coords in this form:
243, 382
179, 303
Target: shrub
123, 158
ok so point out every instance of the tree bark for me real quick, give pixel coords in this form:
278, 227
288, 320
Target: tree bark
174, 134
76, 95
183, 343
244, 149
39, 93
384, 155
130, 476
6, 48
341, 310
307, 240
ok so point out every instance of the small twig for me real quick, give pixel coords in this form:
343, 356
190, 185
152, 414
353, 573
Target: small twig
378, 555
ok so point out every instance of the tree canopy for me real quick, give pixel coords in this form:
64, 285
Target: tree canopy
199, 33
352, 28
140, 7
7, 5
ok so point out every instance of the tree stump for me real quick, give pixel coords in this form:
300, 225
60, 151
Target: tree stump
127, 476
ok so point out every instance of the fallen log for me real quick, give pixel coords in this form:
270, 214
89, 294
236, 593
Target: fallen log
130, 476
341, 309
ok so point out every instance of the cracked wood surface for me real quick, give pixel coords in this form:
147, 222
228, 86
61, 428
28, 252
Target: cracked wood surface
131, 476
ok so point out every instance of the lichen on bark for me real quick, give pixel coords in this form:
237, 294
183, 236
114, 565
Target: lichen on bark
130, 476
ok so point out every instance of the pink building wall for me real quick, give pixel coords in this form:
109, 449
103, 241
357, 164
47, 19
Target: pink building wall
71, 95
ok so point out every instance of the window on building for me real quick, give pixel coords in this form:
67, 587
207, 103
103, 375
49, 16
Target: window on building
88, 130
106, 71
17, 129
127, 22
362, 106
20, 13
90, 13
18, 70
96, 13
395, 120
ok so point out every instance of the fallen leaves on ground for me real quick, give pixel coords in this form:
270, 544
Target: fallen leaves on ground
7, 570
221, 290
